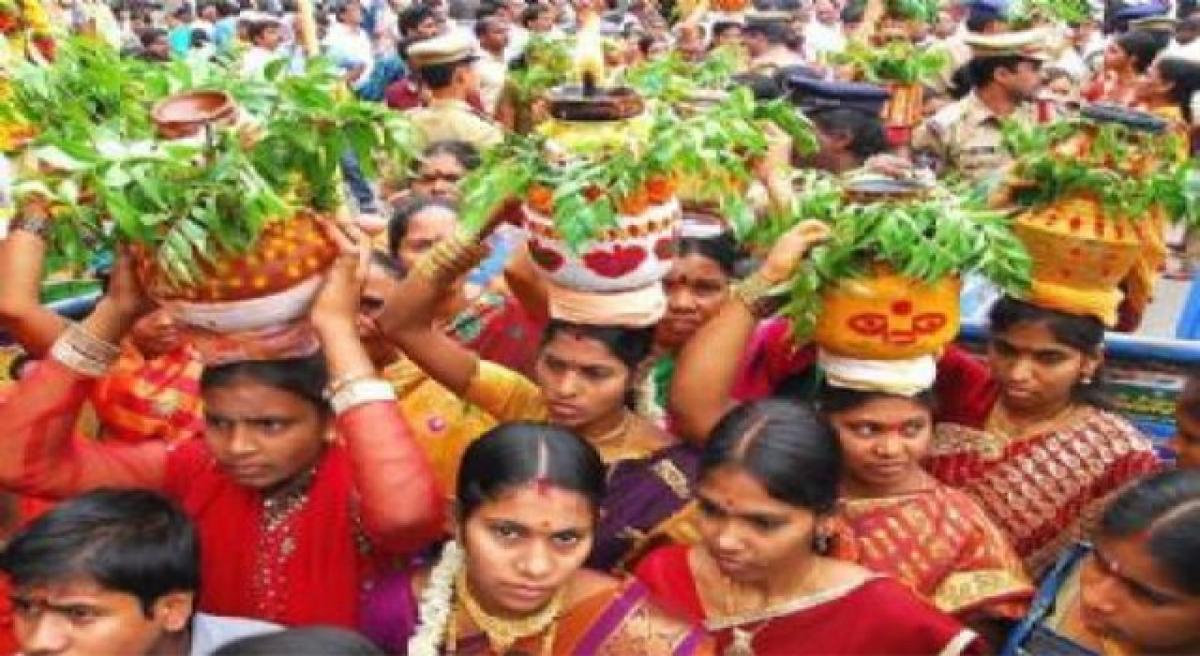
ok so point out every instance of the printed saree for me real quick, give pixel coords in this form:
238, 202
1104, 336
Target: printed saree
647, 495
1047, 490
875, 616
940, 544
617, 622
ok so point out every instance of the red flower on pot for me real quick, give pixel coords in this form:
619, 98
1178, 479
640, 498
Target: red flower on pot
618, 262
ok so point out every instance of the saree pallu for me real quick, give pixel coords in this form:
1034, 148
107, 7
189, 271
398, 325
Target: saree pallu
647, 502
158, 399
1047, 490
876, 616
617, 622
497, 328
942, 546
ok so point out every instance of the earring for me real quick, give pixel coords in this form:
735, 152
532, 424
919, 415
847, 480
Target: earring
1086, 380
821, 540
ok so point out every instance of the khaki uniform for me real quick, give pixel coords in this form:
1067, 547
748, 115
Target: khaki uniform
965, 137
454, 119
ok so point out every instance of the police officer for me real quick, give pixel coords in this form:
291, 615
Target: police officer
445, 65
965, 137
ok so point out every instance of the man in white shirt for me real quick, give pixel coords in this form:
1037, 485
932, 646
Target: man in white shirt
824, 36
492, 67
113, 572
349, 45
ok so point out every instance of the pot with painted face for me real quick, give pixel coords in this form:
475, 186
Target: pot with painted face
887, 316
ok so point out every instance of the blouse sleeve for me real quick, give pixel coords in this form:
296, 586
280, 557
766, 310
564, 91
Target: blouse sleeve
505, 394
399, 498
40, 453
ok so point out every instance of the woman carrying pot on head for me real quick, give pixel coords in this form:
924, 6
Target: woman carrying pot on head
892, 517
294, 495
584, 379
760, 579
489, 321
152, 391
512, 581
1050, 455
1135, 589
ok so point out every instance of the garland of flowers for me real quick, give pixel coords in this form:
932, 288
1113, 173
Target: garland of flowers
436, 609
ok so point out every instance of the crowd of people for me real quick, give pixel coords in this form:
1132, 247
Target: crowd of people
461, 469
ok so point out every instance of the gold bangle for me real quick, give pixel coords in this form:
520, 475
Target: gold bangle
83, 353
450, 259
757, 294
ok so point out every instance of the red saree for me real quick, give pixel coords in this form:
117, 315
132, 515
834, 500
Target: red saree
158, 399
941, 545
496, 327
306, 569
1048, 490
878, 616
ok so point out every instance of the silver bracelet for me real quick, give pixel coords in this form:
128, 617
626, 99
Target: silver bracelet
83, 353
360, 392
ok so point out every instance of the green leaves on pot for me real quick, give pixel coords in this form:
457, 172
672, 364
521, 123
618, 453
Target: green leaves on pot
925, 11
1129, 171
1022, 14
897, 61
927, 239
192, 203
672, 78
547, 62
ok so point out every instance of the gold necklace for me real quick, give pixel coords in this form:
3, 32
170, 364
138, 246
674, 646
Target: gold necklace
1000, 423
612, 441
742, 643
501, 633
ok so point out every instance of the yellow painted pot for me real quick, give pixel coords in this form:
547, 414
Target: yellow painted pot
887, 316
1080, 256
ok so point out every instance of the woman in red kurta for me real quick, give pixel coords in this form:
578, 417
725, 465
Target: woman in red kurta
295, 503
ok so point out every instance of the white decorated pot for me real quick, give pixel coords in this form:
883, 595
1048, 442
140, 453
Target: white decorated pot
636, 254
249, 314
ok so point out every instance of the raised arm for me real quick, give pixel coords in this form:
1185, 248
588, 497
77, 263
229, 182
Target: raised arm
40, 453
701, 389
399, 498
409, 314
22, 315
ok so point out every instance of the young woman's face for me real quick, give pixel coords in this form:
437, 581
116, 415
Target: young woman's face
260, 435
749, 534
425, 229
1152, 86
524, 546
884, 440
1115, 57
1035, 371
581, 380
1127, 597
696, 287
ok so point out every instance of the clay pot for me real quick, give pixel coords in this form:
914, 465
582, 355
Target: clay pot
570, 103
185, 115
887, 316
274, 283
634, 255
1080, 256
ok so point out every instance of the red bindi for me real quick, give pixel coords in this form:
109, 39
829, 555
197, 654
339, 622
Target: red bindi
902, 308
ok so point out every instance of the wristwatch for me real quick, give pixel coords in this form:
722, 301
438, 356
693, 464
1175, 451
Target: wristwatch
34, 225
